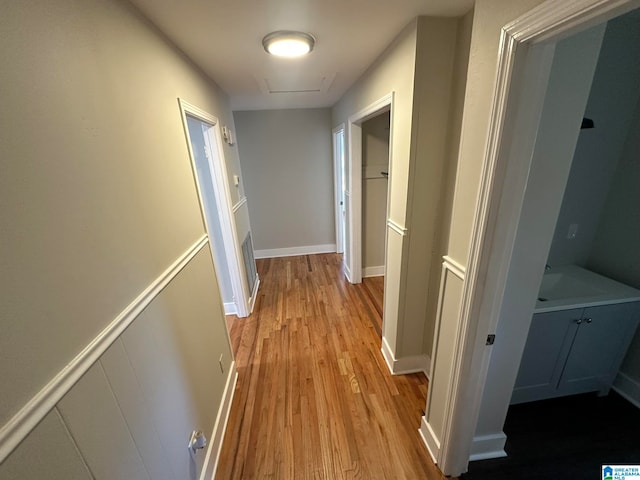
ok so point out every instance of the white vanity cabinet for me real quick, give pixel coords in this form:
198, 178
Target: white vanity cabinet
575, 351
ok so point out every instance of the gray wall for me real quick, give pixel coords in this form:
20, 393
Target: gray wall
98, 199
375, 159
616, 248
287, 161
613, 97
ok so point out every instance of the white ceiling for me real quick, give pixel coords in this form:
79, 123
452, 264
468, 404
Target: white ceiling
224, 37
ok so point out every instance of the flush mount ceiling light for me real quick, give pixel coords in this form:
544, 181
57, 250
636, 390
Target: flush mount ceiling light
286, 43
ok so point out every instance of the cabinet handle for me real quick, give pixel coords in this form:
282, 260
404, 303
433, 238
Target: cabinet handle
578, 321
589, 320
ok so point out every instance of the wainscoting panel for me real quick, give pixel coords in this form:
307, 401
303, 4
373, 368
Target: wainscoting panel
47, 453
93, 416
133, 407
448, 312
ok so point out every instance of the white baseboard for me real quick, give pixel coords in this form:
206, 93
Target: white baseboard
254, 294
293, 251
405, 365
485, 447
373, 271
627, 387
230, 308
215, 441
430, 440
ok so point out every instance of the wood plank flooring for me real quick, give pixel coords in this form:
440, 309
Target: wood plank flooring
314, 398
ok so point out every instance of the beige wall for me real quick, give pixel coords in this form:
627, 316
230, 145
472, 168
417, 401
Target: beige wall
441, 234
375, 159
287, 161
98, 200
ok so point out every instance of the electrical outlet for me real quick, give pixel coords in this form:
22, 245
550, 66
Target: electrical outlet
573, 231
220, 361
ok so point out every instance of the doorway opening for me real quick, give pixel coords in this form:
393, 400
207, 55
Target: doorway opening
583, 298
526, 166
204, 141
357, 175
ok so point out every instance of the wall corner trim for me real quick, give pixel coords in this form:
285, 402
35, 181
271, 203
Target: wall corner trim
405, 365
220, 426
396, 227
28, 417
240, 203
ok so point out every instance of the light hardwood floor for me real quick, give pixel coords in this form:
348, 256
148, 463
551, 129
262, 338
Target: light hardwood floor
314, 398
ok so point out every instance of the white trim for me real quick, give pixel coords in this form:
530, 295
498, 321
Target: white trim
550, 21
220, 183
240, 203
399, 229
230, 308
294, 251
405, 365
254, 294
21, 424
338, 168
217, 435
628, 387
373, 271
485, 447
454, 267
354, 140
430, 440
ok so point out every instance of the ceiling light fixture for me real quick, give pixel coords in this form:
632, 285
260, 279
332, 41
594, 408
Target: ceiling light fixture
287, 43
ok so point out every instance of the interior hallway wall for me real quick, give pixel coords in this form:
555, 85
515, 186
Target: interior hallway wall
287, 160
98, 200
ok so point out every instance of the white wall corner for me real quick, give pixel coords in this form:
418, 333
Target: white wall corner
230, 308
405, 365
484, 447
215, 441
294, 251
627, 387
430, 440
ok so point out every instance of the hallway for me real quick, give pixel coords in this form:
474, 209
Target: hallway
314, 398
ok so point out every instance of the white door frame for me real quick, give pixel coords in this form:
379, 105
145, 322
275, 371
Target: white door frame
354, 247
338, 172
494, 232
220, 183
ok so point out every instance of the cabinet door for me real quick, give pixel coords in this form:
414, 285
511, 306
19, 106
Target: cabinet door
548, 343
598, 348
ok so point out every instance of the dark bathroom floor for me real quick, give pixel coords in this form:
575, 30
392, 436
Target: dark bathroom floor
568, 437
